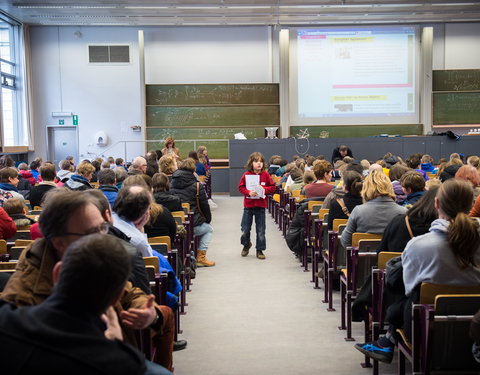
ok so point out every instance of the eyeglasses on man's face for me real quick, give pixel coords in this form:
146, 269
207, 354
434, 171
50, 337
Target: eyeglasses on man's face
102, 229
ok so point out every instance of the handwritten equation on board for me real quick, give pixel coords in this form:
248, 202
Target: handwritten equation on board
456, 80
210, 94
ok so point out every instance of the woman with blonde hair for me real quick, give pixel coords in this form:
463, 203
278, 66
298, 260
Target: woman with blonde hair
377, 211
202, 153
167, 164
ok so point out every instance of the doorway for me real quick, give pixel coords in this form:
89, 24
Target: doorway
62, 141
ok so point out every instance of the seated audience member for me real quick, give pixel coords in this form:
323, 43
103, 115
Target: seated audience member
66, 217
7, 225
419, 218
340, 152
295, 179
120, 176
97, 164
366, 165
35, 168
377, 211
426, 164
286, 173
162, 194
106, 179
17, 210
199, 166
298, 179
474, 161
338, 191
396, 172
413, 184
6, 161
8, 184
26, 174
139, 166
111, 161
449, 254
321, 187
281, 171
170, 149
449, 171
65, 172
433, 182
413, 162
81, 179
185, 185
470, 174
77, 321
152, 163
47, 173
309, 162
161, 223
274, 164
341, 208
168, 165
105, 165
202, 153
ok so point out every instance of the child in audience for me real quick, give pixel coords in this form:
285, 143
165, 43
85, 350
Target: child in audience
16, 209
255, 185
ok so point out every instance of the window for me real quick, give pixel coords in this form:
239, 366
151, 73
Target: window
12, 93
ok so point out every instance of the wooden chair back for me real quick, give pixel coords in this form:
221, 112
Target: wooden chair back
22, 242
384, 257
35, 212
16, 251
153, 262
8, 265
429, 291
3, 247
337, 222
179, 214
296, 193
186, 208
37, 208
312, 203
357, 236
321, 213
161, 239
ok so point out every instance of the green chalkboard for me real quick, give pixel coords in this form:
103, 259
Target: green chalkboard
209, 114
216, 149
354, 131
459, 108
456, 80
264, 115
212, 94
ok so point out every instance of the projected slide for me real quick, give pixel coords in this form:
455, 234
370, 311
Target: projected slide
347, 72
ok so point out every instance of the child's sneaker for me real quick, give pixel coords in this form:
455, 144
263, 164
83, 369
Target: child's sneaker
245, 249
260, 254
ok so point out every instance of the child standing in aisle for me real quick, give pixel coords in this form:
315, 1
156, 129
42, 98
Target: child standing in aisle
255, 185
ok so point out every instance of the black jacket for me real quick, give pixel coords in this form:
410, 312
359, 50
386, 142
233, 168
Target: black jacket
165, 225
58, 337
336, 154
184, 184
336, 211
168, 200
38, 192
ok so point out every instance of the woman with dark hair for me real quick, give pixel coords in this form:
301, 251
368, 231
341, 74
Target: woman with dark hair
340, 208
161, 222
340, 152
186, 186
200, 169
162, 194
414, 222
152, 163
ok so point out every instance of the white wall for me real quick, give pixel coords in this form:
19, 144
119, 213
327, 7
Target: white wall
109, 97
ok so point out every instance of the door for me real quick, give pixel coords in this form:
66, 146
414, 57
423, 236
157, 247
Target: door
62, 142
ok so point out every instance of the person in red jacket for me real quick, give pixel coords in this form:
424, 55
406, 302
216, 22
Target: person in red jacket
7, 225
255, 185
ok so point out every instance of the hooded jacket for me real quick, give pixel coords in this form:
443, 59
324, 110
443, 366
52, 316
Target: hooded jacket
168, 200
27, 175
184, 185
78, 183
429, 258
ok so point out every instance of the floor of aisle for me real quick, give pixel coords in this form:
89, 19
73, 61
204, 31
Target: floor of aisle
248, 316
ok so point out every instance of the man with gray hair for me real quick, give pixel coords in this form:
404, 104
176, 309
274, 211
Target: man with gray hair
139, 166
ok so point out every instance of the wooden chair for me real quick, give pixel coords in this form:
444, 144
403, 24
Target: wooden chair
20, 235
318, 229
37, 208
3, 247
179, 216
448, 319
15, 252
186, 208
35, 212
330, 259
360, 257
22, 242
8, 265
161, 239
313, 203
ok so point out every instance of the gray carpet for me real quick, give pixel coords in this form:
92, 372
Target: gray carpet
251, 316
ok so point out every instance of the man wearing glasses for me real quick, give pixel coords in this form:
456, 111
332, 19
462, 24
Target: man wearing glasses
68, 216
139, 166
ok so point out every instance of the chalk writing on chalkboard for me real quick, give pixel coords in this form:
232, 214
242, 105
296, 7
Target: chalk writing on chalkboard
456, 80
456, 108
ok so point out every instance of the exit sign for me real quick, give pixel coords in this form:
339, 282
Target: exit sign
75, 119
